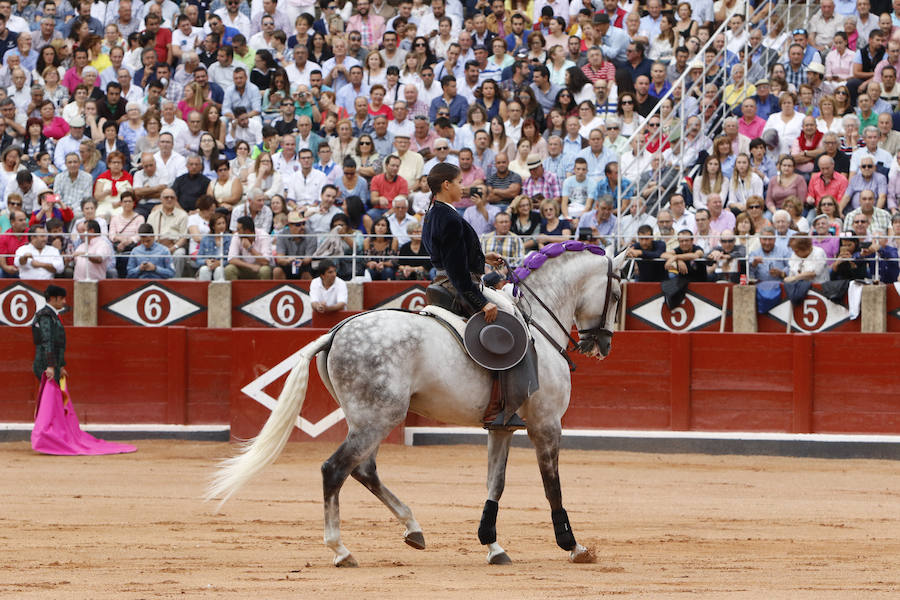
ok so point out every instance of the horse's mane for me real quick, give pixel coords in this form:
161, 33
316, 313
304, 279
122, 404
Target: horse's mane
536, 259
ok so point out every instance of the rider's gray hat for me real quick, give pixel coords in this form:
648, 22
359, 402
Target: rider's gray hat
498, 345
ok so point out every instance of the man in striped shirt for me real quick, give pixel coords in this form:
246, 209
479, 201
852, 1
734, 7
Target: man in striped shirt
502, 241
541, 182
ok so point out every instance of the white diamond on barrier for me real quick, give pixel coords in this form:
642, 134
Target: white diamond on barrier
284, 307
154, 306
256, 390
19, 304
693, 314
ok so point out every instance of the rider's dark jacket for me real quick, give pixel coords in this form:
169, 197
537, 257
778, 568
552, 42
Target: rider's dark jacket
455, 248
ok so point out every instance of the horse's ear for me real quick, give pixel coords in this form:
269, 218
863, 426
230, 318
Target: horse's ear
619, 260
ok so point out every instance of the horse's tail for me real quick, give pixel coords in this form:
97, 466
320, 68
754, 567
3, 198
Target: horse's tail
254, 455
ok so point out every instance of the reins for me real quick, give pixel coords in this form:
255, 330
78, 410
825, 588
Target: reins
588, 336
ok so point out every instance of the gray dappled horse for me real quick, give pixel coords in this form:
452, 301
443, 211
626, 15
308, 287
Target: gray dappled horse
387, 363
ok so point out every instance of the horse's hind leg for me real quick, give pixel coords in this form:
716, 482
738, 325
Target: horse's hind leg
498, 454
546, 445
366, 473
358, 445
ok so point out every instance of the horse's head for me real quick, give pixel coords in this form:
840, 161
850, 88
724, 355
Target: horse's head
596, 313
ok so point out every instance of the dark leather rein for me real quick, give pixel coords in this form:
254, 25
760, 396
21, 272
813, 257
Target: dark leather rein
589, 337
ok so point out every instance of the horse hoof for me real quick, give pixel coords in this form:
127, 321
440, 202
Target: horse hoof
347, 562
497, 555
582, 555
415, 539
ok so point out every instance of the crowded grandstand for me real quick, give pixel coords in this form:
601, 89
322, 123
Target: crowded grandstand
720, 141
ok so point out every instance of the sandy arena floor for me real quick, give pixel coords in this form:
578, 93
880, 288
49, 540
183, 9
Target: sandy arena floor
663, 527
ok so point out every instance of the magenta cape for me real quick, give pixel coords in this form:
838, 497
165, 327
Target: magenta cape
56, 428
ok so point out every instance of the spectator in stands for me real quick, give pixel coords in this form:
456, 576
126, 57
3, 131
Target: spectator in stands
727, 258
867, 179
553, 228
881, 158
378, 249
399, 218
807, 147
294, 250
94, 257
12, 239
150, 259
647, 253
319, 218
255, 208
825, 183
328, 293
849, 264
74, 185
687, 260
387, 186
878, 220
807, 262
307, 182
786, 184
123, 232
38, 259
250, 252
503, 241
212, 253
191, 185
170, 223
413, 260
769, 262
411, 163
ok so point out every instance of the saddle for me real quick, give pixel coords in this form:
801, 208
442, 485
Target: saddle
504, 347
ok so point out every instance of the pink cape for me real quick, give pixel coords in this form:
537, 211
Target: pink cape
56, 428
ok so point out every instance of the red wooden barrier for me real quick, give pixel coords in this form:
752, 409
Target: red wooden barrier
814, 315
147, 303
20, 300
279, 304
893, 309
651, 380
394, 294
700, 311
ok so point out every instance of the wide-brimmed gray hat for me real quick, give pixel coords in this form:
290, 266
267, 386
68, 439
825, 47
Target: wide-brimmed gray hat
498, 345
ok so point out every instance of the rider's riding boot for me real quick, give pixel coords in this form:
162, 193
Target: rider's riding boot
507, 419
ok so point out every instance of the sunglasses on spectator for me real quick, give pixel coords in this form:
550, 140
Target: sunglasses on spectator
728, 241
627, 102
300, 224
652, 124
419, 45
840, 93
362, 143
754, 206
14, 203
441, 148
612, 126
866, 166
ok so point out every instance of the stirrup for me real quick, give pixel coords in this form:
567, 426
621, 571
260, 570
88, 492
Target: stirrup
498, 424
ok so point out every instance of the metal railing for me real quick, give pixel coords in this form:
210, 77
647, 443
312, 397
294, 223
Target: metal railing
662, 176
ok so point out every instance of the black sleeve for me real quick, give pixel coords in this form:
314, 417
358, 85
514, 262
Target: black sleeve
655, 252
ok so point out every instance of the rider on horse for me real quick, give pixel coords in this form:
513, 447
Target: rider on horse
456, 254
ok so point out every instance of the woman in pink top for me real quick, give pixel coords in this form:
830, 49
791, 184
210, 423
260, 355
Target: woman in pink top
839, 61
54, 127
787, 183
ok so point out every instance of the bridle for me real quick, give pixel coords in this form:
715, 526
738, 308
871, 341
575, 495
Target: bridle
588, 337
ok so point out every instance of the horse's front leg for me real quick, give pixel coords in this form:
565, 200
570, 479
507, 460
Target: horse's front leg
546, 444
498, 454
